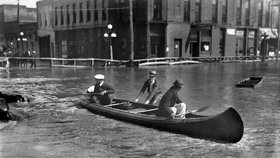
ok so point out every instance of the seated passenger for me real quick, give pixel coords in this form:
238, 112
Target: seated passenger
101, 93
170, 104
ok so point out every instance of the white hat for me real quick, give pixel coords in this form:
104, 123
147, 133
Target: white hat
99, 77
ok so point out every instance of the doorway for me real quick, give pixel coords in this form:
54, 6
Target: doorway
177, 47
194, 51
44, 46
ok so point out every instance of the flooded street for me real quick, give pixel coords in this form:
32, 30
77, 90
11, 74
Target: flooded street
54, 127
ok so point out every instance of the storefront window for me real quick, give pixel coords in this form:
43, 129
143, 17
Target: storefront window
205, 48
64, 49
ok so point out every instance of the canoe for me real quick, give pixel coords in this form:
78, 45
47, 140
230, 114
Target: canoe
226, 127
250, 82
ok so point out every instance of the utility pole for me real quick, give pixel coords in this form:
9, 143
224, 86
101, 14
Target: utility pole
131, 33
278, 31
17, 28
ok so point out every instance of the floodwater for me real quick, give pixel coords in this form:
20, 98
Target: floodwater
54, 127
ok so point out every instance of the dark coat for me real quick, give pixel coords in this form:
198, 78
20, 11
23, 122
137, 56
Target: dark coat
151, 89
107, 97
169, 99
103, 87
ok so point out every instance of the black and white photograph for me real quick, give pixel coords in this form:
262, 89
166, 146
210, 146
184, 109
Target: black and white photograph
139, 78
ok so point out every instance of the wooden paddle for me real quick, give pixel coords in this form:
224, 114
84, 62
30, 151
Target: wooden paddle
200, 109
194, 111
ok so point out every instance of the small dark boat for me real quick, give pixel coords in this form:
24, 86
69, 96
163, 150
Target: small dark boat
5, 99
250, 82
226, 127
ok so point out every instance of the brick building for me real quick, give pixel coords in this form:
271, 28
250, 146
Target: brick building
188, 28
18, 30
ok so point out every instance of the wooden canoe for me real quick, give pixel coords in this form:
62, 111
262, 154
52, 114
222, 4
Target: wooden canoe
226, 127
250, 82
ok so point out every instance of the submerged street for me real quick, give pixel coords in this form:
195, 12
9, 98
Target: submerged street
53, 126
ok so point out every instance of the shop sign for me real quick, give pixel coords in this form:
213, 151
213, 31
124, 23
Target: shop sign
239, 33
231, 31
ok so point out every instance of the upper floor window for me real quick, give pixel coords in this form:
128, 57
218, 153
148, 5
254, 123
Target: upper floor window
177, 8
67, 15
238, 12
88, 11
247, 12
55, 16
197, 10
157, 9
260, 13
267, 16
46, 20
214, 11
224, 11
186, 10
74, 13
40, 20
95, 11
81, 12
104, 15
62, 17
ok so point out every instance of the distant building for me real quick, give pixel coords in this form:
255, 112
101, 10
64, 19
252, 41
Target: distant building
188, 28
18, 34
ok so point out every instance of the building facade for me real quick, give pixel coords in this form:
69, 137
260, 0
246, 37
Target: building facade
72, 29
18, 30
162, 28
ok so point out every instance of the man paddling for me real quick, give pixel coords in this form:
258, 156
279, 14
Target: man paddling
101, 93
170, 104
153, 89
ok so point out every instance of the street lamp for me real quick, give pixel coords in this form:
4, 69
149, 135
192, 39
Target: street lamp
21, 38
109, 34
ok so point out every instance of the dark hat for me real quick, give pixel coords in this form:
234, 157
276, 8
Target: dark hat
178, 83
152, 73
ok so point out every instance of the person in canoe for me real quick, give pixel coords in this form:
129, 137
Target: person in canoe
4, 110
170, 104
101, 93
153, 88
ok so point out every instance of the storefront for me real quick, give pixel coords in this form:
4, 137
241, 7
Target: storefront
269, 40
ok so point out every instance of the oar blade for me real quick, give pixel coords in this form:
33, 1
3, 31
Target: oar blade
201, 109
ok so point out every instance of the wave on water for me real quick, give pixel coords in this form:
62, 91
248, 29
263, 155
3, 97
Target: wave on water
4, 125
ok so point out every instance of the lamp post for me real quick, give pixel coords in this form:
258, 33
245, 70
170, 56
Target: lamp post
109, 34
18, 40
21, 38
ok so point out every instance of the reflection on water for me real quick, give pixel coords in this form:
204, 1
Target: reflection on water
57, 128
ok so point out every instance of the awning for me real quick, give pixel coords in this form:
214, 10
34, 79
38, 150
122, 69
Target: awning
272, 33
